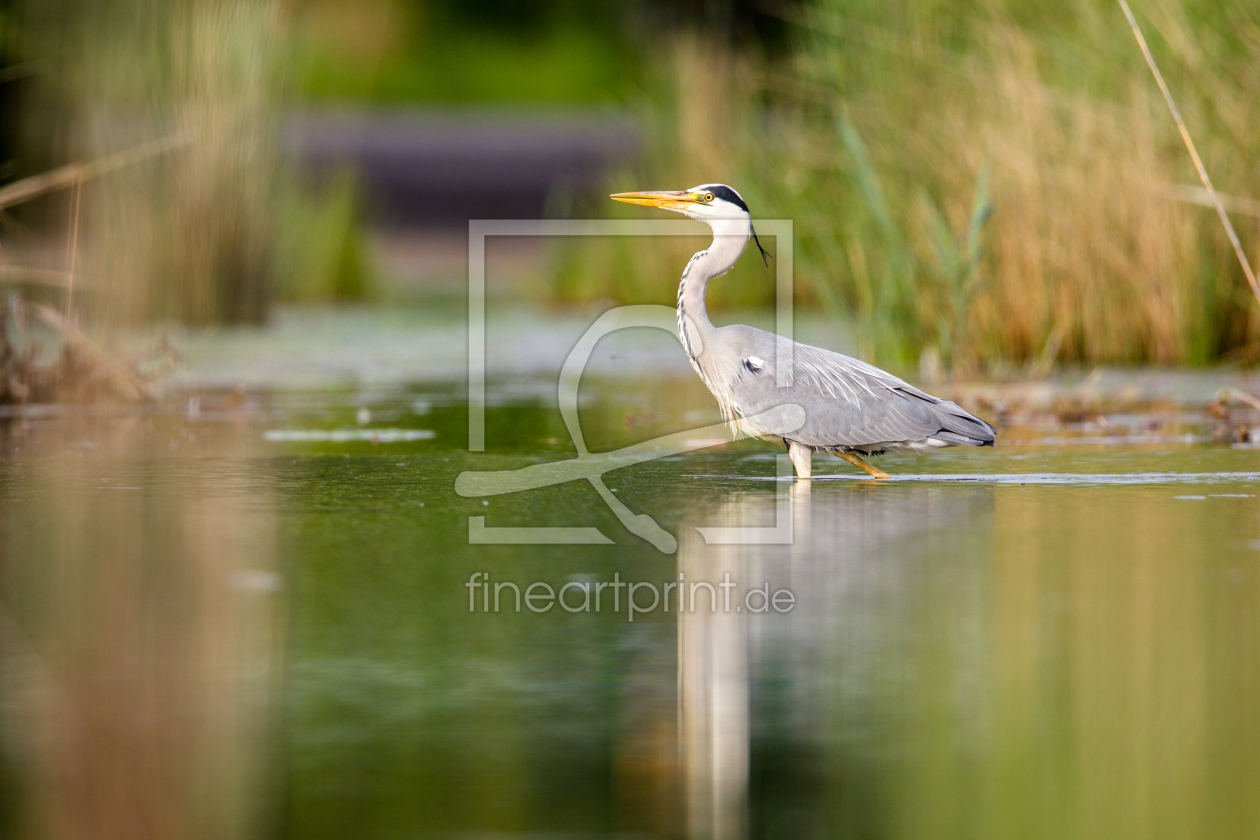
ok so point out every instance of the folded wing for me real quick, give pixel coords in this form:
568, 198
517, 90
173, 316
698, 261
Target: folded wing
849, 404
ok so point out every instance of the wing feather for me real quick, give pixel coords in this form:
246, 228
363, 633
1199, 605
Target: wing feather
848, 403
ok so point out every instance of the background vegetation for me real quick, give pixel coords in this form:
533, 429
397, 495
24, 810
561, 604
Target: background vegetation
553, 52
985, 184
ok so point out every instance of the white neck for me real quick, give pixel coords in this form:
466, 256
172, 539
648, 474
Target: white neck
730, 236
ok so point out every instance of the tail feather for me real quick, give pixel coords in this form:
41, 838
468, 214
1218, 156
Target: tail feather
958, 426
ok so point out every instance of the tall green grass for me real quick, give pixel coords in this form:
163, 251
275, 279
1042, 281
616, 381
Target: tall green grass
989, 184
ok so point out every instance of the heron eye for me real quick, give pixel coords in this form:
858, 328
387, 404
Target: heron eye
708, 197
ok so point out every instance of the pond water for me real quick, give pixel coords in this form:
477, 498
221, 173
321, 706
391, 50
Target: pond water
264, 613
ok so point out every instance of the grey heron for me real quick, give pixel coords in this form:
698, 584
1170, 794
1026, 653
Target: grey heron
852, 409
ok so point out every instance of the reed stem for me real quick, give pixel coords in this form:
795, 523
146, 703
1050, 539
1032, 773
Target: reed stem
1194, 154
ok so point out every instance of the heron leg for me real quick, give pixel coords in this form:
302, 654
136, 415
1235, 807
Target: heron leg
856, 461
802, 458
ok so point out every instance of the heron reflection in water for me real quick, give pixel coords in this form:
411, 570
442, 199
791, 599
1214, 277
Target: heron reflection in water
852, 409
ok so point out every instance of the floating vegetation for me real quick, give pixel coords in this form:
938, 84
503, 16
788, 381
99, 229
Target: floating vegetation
80, 370
348, 435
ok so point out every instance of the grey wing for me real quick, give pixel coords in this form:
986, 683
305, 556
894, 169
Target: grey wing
850, 404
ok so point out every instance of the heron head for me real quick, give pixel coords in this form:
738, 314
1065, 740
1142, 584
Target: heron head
706, 203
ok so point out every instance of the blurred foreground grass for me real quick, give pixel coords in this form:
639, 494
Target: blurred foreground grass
220, 225
973, 186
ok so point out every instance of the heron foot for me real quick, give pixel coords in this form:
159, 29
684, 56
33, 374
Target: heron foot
856, 461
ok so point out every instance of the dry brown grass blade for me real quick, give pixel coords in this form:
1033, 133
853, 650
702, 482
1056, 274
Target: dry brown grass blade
1200, 196
1194, 154
1240, 396
73, 258
25, 275
18, 71
77, 173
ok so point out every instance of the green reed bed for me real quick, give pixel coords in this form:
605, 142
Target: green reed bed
985, 186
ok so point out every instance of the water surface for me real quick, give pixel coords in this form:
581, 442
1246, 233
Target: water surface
249, 615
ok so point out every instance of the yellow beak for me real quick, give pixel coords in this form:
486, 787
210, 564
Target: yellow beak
664, 199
